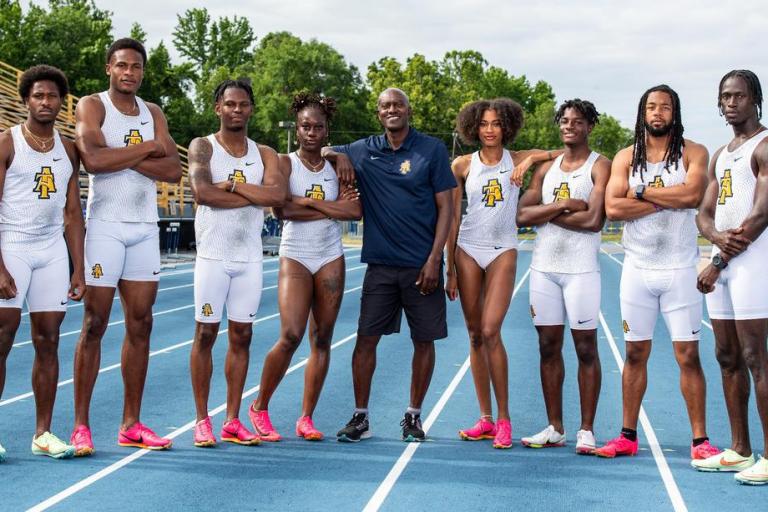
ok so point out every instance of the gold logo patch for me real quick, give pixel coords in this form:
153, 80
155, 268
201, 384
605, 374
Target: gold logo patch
625, 326
405, 167
45, 183
726, 189
237, 176
316, 192
207, 309
134, 137
562, 192
492, 193
96, 271
657, 182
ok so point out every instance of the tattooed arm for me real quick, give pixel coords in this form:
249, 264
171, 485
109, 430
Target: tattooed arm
203, 188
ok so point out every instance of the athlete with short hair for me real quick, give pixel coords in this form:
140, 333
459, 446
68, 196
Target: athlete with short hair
565, 200
126, 148
733, 216
233, 178
655, 186
39, 201
482, 249
311, 277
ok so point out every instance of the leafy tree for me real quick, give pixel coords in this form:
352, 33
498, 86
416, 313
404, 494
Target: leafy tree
608, 137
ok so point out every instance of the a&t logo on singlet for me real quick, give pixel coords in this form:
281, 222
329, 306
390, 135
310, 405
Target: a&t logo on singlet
207, 309
45, 183
237, 176
492, 193
657, 182
562, 192
134, 137
96, 271
726, 190
316, 192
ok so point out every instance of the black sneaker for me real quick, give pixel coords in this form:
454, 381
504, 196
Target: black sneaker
412, 431
356, 429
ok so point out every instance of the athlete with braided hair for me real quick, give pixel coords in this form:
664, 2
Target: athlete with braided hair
311, 276
655, 187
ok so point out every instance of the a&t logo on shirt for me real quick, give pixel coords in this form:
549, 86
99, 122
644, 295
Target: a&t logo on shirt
562, 192
134, 137
657, 182
45, 183
405, 167
492, 193
726, 189
316, 192
237, 176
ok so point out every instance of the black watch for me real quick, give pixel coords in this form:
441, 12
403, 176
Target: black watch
639, 191
718, 262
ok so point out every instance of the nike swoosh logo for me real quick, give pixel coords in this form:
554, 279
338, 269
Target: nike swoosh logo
41, 448
144, 122
504, 171
249, 163
375, 157
327, 179
576, 175
252, 315
155, 273
63, 302
132, 439
583, 321
696, 332
738, 158
56, 159
496, 248
724, 462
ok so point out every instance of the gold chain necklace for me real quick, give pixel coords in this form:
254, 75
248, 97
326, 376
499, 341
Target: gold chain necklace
134, 108
229, 149
41, 142
314, 167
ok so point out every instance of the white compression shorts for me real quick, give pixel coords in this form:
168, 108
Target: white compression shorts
740, 291
645, 292
315, 263
41, 277
483, 256
554, 295
236, 284
121, 250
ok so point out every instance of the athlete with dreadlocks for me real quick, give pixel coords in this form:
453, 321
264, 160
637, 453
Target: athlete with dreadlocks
565, 199
482, 249
655, 186
733, 216
311, 276
233, 179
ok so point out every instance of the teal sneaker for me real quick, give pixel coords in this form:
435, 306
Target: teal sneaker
51, 446
2, 453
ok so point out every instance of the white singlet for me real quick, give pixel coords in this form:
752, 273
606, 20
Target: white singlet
739, 292
491, 205
231, 234
127, 195
559, 249
306, 241
665, 239
34, 195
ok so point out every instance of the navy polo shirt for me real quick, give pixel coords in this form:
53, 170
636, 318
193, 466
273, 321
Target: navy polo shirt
397, 189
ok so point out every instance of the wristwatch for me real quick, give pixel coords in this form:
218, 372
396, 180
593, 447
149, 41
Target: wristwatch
718, 262
639, 191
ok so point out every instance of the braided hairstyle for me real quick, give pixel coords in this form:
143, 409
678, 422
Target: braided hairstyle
676, 141
240, 83
753, 86
306, 99
584, 107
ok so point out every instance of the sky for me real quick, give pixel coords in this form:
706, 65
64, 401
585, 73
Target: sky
608, 52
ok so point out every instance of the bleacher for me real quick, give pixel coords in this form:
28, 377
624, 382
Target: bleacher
174, 200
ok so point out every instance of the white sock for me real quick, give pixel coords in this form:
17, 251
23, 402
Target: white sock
362, 411
413, 411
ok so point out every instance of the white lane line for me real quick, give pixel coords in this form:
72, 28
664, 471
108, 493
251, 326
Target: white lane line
658, 455
709, 325
378, 498
82, 484
165, 312
164, 274
165, 350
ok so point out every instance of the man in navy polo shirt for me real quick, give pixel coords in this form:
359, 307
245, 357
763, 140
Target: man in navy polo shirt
405, 184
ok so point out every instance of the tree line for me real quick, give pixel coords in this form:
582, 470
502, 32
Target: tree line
74, 35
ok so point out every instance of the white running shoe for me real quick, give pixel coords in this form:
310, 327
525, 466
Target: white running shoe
755, 475
547, 438
728, 460
585, 442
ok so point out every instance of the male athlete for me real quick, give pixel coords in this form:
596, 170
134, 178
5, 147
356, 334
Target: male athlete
126, 148
565, 199
39, 201
405, 182
655, 186
232, 179
733, 217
